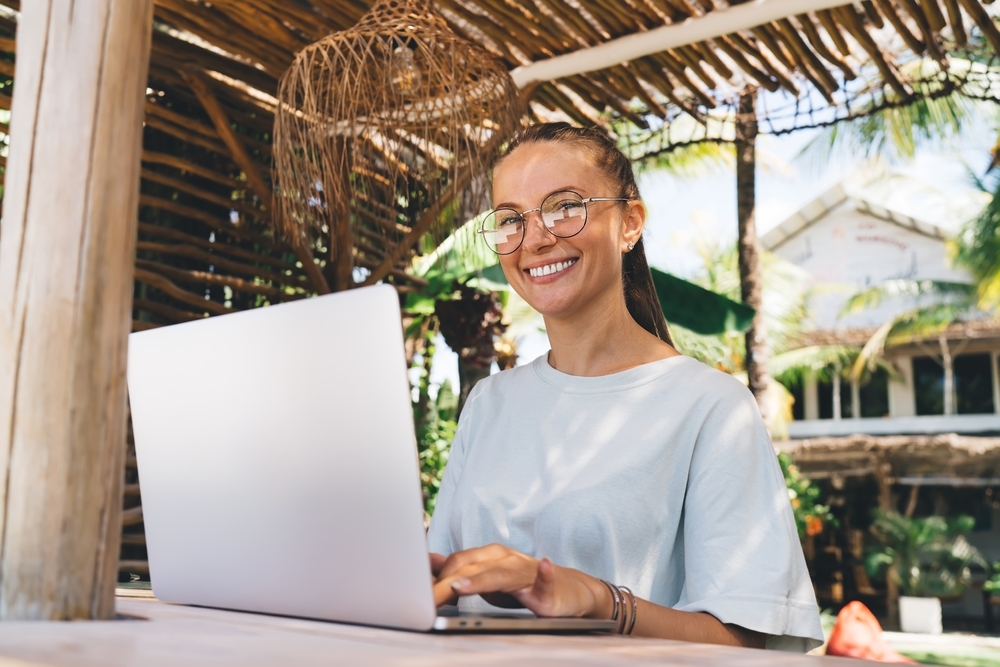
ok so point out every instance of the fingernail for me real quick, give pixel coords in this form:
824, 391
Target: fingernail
460, 583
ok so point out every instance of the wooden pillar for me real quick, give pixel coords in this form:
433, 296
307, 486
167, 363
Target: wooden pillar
67, 249
751, 280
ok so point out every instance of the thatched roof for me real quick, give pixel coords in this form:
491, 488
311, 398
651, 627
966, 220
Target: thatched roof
858, 455
981, 329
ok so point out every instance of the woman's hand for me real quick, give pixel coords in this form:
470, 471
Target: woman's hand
507, 578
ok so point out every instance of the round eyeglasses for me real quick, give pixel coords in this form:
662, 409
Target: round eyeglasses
564, 214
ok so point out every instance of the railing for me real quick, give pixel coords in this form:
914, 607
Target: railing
925, 425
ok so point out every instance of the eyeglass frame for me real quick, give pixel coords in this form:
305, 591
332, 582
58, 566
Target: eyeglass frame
524, 219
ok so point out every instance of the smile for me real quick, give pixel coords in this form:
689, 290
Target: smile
549, 269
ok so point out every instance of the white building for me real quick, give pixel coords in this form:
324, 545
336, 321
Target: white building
925, 441
851, 238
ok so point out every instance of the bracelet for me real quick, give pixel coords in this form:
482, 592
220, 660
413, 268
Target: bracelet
615, 599
635, 608
621, 607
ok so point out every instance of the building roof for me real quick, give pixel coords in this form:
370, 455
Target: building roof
842, 193
985, 328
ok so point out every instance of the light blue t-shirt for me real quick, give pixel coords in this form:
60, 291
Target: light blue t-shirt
661, 478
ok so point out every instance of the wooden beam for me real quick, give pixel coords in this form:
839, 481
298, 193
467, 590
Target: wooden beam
196, 80
638, 44
66, 251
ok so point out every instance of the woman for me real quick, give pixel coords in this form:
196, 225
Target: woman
614, 477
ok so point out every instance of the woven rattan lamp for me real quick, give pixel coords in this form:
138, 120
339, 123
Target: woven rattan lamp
380, 130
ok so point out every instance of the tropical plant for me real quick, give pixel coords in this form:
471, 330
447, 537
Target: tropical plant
935, 117
977, 245
786, 314
810, 515
992, 585
927, 557
935, 305
435, 432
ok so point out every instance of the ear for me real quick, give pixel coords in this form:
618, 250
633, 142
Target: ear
633, 224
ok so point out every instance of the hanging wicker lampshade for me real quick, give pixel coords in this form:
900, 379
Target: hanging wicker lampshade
383, 136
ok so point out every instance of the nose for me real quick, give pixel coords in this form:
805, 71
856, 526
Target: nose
536, 237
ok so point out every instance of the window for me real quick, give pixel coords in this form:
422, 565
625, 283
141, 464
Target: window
928, 386
824, 395
973, 384
797, 389
874, 395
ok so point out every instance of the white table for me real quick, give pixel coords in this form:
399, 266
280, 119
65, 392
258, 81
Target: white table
152, 633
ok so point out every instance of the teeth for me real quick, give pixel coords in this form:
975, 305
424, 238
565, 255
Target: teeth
551, 268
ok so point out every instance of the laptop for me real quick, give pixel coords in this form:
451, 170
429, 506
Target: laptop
278, 467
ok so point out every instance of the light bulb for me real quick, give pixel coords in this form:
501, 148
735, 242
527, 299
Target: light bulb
404, 75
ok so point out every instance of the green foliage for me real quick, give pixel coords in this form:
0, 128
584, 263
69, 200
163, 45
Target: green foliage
435, 420
977, 248
810, 515
993, 583
934, 118
893, 132
435, 433
939, 304
926, 557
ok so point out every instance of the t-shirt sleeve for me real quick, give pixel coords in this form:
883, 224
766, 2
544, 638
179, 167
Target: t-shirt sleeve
742, 557
439, 533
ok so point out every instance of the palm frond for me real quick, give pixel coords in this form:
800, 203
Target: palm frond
977, 248
873, 350
907, 288
894, 133
794, 365
692, 160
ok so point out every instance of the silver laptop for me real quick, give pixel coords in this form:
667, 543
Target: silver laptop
278, 466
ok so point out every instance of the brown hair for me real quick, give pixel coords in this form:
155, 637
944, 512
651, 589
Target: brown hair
640, 294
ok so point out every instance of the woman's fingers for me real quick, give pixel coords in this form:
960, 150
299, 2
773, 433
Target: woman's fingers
499, 579
444, 594
461, 559
437, 562
544, 587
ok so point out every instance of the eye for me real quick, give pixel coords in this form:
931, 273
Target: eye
508, 219
567, 205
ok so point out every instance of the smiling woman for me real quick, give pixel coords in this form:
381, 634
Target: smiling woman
613, 458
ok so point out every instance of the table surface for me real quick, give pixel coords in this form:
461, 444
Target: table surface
152, 633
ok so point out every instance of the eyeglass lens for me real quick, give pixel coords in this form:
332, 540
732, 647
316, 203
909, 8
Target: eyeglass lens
564, 214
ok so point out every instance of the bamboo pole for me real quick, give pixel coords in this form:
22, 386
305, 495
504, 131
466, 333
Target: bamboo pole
66, 254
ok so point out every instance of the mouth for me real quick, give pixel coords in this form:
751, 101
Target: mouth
550, 269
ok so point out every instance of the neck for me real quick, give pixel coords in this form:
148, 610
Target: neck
602, 339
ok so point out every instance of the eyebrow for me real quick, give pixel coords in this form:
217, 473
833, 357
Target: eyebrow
570, 188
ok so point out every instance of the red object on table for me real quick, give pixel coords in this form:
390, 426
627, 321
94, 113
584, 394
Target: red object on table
857, 634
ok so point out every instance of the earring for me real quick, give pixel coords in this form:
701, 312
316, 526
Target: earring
631, 247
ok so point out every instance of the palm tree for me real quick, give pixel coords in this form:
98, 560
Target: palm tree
977, 246
939, 304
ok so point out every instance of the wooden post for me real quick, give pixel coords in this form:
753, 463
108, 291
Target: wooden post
66, 260
751, 280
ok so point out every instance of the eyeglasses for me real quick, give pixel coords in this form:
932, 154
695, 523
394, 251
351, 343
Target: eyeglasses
564, 214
